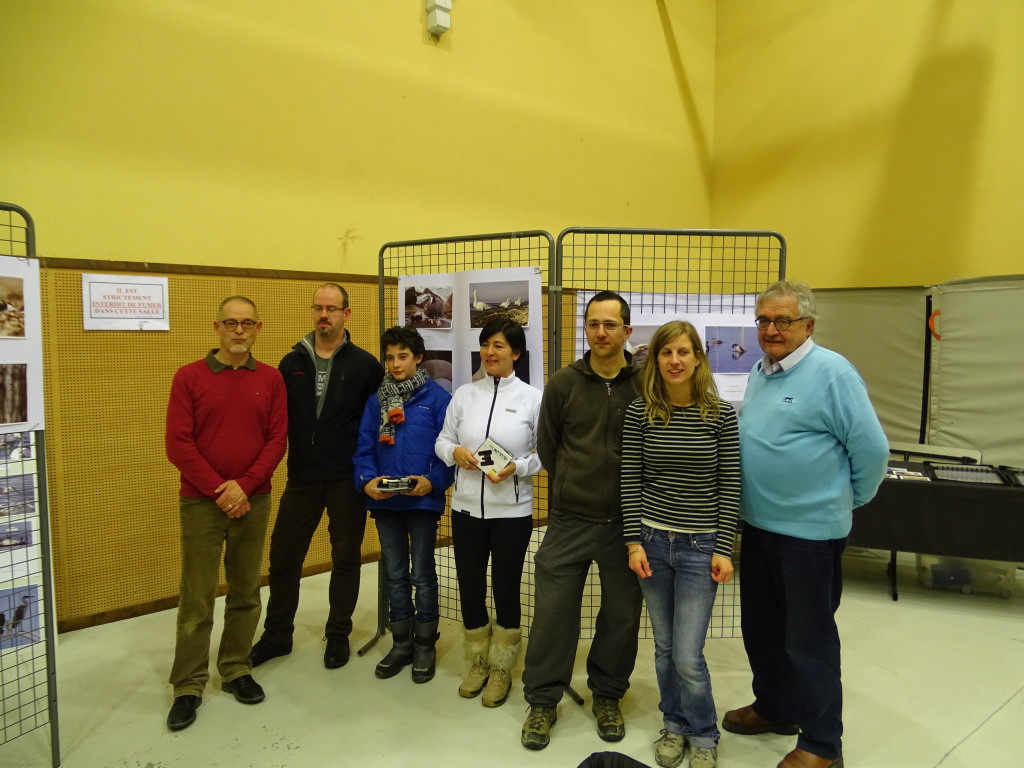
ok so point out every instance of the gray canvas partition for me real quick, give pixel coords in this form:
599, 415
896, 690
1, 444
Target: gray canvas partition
977, 368
962, 386
883, 332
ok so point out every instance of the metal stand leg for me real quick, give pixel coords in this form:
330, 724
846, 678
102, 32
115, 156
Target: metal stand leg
382, 610
892, 575
574, 696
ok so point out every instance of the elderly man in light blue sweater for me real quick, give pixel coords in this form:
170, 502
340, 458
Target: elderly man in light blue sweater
811, 450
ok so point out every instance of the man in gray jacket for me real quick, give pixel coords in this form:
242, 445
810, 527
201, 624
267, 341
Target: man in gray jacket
580, 444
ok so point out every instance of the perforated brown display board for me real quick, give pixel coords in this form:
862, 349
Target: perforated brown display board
113, 492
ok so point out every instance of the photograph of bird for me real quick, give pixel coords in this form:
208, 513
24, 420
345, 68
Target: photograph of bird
20, 612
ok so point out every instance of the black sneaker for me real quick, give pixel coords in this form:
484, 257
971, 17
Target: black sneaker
264, 650
183, 712
337, 651
245, 689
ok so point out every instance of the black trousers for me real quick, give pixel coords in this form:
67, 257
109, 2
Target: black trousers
504, 542
790, 591
302, 507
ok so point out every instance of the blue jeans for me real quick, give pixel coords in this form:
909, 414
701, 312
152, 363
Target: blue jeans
406, 536
680, 595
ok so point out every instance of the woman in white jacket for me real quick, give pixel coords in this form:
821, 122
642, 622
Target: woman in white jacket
492, 506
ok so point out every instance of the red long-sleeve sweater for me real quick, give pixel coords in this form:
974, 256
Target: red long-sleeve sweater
226, 423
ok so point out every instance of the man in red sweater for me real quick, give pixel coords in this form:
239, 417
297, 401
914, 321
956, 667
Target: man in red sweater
227, 427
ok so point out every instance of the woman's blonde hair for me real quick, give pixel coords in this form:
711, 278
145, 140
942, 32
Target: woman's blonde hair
652, 386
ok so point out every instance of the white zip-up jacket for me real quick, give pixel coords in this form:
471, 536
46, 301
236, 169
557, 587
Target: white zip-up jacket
506, 410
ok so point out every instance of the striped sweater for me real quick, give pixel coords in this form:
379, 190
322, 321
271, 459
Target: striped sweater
683, 476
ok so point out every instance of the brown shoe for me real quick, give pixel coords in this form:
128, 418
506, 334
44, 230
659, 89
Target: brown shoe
801, 758
747, 722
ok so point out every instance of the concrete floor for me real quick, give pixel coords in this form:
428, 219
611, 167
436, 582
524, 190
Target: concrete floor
935, 679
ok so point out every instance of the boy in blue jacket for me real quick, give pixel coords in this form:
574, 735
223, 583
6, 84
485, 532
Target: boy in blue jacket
396, 440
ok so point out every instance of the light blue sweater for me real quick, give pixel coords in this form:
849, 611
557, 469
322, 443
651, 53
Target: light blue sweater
811, 448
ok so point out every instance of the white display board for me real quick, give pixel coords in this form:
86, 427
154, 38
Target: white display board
730, 340
21, 347
450, 309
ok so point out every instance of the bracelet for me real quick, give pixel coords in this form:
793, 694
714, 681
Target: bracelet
638, 548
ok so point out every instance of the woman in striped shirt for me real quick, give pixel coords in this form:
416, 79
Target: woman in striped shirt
680, 502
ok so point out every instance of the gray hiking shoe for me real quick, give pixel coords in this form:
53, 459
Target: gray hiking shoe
669, 749
704, 757
537, 728
610, 724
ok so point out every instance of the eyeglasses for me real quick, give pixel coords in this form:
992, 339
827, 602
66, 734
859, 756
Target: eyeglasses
330, 309
232, 324
608, 325
781, 323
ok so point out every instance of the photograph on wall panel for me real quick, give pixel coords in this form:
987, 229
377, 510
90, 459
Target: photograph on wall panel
438, 365
13, 393
12, 306
17, 495
19, 550
428, 306
15, 447
20, 616
731, 348
508, 299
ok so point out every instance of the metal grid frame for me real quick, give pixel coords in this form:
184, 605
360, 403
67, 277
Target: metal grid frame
28, 678
533, 248
663, 271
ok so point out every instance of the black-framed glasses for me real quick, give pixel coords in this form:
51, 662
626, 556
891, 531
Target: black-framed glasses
329, 309
781, 323
232, 324
608, 325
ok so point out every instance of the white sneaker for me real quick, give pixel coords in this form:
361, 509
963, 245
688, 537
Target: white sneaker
704, 757
669, 749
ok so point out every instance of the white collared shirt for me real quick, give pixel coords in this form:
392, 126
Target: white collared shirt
789, 360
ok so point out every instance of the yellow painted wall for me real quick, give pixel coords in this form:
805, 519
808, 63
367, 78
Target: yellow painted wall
884, 139
303, 134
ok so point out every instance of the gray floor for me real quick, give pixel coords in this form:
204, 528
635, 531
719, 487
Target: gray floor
936, 679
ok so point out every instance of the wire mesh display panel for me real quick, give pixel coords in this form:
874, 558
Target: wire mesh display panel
23, 607
662, 272
17, 233
453, 255
28, 682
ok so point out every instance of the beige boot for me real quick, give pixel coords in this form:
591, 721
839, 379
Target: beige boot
502, 660
477, 642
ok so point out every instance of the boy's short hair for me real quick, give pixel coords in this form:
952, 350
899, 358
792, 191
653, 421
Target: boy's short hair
402, 336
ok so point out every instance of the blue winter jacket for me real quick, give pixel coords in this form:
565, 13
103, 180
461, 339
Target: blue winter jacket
412, 453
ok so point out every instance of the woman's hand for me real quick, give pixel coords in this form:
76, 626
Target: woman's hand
721, 568
497, 477
638, 561
463, 458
